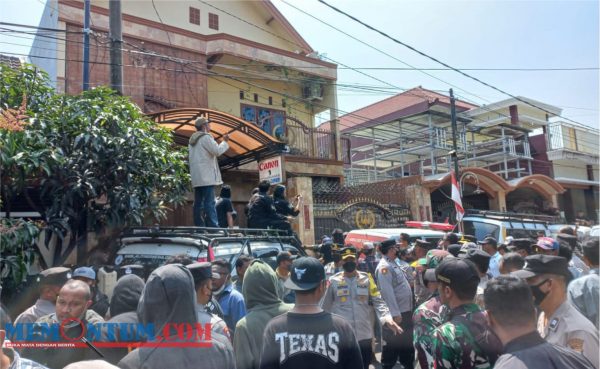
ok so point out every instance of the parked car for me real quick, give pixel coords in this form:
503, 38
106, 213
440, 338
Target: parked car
150, 247
358, 237
481, 223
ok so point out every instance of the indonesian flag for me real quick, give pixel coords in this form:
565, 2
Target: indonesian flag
460, 212
211, 253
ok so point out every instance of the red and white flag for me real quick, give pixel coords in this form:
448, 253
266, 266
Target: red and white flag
460, 211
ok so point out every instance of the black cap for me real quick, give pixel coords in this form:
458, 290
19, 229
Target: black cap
479, 258
384, 246
56, 276
543, 264
424, 244
202, 271
454, 249
456, 272
348, 251
489, 241
306, 273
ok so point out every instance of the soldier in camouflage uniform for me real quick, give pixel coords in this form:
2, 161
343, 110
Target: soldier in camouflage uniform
430, 314
454, 343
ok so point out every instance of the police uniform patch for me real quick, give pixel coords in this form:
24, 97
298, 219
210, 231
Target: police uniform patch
384, 270
575, 344
553, 324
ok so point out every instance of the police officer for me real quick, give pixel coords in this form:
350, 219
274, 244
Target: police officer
559, 323
397, 294
369, 263
49, 283
353, 295
203, 276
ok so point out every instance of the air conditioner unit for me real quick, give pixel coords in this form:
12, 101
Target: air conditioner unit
313, 91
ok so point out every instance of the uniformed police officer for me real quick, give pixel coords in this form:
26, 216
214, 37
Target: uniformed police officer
559, 323
203, 276
49, 283
397, 294
353, 295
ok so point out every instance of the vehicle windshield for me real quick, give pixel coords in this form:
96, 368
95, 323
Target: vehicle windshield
481, 230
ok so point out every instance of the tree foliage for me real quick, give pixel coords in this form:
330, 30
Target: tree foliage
94, 158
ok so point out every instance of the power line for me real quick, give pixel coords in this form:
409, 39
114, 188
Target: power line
440, 62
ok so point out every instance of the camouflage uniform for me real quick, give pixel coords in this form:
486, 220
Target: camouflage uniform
426, 318
454, 347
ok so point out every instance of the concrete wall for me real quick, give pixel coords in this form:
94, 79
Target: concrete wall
44, 49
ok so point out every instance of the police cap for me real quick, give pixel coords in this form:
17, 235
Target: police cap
202, 271
56, 276
544, 264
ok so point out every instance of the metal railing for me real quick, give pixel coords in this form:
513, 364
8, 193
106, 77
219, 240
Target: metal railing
310, 142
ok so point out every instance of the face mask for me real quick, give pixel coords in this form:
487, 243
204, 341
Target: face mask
538, 294
349, 266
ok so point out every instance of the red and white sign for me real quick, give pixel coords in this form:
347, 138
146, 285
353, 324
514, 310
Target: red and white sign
271, 169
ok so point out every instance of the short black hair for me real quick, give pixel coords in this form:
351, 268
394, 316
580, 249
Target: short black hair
337, 236
223, 264
283, 256
503, 247
226, 191
243, 259
590, 250
404, 237
452, 238
509, 300
564, 250
182, 259
264, 185
513, 261
567, 230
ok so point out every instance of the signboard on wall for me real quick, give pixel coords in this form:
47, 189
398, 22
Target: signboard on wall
271, 169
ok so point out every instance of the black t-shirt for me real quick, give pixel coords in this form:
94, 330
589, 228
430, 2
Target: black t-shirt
314, 341
223, 207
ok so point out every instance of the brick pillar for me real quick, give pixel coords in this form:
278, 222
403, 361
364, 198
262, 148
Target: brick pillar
304, 225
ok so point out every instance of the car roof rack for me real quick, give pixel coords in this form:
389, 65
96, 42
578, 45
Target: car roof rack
499, 215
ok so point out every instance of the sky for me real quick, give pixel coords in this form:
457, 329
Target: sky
464, 34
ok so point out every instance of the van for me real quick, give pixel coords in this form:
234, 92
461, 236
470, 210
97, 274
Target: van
358, 237
482, 223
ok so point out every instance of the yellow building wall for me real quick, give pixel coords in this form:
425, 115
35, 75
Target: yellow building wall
176, 13
570, 169
224, 95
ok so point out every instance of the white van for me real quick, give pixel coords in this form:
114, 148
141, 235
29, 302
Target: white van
501, 225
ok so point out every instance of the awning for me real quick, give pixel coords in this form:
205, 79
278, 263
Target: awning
247, 142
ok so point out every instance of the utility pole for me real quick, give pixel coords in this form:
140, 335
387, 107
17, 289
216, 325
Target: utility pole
116, 38
453, 120
86, 45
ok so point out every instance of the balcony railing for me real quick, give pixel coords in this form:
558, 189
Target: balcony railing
314, 142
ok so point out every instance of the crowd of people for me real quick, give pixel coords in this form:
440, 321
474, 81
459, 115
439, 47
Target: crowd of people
461, 303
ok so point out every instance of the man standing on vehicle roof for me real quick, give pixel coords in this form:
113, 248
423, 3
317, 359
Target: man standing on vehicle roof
397, 294
205, 172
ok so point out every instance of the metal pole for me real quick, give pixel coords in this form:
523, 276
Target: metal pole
86, 45
453, 121
116, 37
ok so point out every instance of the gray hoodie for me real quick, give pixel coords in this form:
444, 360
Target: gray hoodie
169, 298
262, 304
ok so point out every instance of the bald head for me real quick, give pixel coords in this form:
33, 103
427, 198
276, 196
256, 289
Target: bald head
73, 300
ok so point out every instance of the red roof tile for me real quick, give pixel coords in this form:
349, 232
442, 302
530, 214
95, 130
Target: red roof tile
410, 102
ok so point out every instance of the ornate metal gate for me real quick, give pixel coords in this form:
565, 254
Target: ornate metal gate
372, 205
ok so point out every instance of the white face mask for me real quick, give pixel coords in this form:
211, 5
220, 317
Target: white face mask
218, 292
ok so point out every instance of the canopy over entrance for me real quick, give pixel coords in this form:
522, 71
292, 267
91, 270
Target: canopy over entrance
247, 142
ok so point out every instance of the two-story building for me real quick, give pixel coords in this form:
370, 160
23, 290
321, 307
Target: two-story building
241, 63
